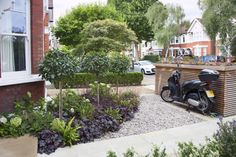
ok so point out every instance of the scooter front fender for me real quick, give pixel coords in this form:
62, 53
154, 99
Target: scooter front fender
165, 87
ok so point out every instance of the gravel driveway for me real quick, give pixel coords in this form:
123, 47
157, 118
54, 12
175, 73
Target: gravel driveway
154, 114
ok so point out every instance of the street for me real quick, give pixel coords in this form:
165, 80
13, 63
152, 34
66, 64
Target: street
148, 80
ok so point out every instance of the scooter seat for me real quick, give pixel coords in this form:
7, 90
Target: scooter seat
192, 84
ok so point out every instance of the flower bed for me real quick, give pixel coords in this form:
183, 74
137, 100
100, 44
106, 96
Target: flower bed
83, 118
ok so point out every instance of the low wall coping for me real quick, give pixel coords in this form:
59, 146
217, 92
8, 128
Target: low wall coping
186, 66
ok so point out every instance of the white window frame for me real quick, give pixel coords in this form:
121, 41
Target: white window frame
16, 77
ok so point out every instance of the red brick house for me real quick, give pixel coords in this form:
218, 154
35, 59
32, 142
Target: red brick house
195, 39
23, 40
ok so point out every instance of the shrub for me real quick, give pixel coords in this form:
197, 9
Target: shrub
152, 58
223, 143
129, 99
84, 79
104, 89
225, 137
74, 105
91, 129
49, 141
189, 149
29, 118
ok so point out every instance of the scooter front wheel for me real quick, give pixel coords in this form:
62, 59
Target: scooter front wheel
165, 95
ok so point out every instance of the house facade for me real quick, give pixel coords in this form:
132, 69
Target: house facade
150, 48
195, 39
23, 40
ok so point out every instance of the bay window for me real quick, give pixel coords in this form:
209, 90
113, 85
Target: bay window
14, 37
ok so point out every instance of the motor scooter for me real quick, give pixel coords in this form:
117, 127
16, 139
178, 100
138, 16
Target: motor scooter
195, 93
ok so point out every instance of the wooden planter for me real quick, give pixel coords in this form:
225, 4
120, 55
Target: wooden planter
224, 88
25, 146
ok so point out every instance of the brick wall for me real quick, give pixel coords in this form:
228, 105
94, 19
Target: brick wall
37, 33
9, 94
46, 35
46, 43
191, 45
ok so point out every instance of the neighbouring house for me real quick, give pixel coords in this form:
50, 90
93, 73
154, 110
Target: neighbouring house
194, 40
150, 48
23, 40
145, 48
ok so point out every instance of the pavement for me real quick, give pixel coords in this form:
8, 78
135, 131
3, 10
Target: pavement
143, 143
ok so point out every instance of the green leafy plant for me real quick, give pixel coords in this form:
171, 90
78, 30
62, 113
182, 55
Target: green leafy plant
68, 28
189, 149
74, 105
129, 153
119, 64
68, 132
111, 154
104, 89
54, 67
106, 36
152, 58
114, 113
225, 137
97, 63
11, 126
84, 79
129, 99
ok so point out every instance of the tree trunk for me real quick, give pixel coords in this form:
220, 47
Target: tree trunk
117, 84
213, 47
60, 101
136, 52
98, 91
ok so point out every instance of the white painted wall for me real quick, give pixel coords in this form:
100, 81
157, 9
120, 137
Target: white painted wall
195, 33
151, 47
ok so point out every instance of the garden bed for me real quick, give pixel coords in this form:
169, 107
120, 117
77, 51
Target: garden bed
84, 118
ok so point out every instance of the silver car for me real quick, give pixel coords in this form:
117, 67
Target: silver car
146, 67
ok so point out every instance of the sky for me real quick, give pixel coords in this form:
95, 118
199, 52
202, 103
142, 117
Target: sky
190, 7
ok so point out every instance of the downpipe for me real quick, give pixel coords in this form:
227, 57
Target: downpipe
193, 102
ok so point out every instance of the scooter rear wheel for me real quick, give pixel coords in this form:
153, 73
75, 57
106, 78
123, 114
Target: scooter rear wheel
205, 105
165, 95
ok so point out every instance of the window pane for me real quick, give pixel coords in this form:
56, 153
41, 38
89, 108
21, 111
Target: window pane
13, 20
18, 22
13, 54
20, 5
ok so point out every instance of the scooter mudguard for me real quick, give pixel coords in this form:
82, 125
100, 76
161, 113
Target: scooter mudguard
212, 100
165, 87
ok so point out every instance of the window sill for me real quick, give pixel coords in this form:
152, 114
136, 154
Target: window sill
22, 80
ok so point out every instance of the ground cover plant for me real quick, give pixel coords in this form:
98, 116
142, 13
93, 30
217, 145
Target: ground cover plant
82, 119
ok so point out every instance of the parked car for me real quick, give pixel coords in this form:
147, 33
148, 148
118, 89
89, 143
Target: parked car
144, 66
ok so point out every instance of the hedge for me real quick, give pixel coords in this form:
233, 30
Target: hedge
84, 79
152, 58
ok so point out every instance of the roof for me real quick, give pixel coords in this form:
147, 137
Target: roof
193, 23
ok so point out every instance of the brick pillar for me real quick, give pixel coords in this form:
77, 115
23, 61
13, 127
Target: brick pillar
46, 35
37, 34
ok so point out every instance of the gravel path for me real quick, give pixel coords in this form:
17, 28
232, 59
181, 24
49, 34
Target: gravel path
154, 114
